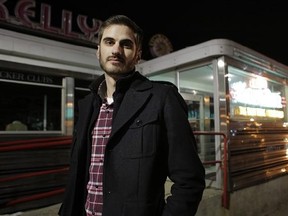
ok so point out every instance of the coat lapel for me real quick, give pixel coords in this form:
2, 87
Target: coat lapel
131, 103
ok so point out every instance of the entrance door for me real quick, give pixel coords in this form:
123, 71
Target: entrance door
201, 118
195, 110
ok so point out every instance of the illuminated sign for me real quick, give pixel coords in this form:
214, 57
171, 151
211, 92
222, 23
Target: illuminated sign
255, 93
259, 112
27, 15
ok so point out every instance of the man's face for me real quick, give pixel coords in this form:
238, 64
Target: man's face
117, 51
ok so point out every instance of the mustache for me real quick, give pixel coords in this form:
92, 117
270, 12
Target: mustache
116, 57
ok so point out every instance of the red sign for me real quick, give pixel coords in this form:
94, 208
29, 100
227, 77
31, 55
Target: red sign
25, 14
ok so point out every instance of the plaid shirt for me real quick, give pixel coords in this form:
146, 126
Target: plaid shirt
100, 135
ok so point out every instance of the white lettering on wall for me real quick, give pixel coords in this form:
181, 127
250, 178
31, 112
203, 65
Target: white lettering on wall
26, 77
258, 96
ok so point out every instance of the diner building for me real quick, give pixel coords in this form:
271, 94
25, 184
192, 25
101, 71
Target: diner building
236, 100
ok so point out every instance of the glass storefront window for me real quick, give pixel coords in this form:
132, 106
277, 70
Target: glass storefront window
196, 86
29, 107
168, 76
255, 97
81, 90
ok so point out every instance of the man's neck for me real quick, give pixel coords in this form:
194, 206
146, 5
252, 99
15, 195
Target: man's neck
111, 81
111, 85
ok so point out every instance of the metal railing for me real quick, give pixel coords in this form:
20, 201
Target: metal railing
223, 164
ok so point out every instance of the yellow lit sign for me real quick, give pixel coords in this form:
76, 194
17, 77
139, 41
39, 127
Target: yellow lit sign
260, 112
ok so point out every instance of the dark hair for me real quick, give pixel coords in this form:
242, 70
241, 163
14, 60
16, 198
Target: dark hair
122, 20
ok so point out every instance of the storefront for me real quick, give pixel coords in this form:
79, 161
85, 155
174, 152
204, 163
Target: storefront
46, 65
40, 81
236, 91
48, 58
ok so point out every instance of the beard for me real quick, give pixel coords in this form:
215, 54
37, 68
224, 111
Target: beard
116, 70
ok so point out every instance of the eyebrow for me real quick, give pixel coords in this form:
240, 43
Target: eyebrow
127, 40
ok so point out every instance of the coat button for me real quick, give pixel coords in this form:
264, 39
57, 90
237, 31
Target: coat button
139, 122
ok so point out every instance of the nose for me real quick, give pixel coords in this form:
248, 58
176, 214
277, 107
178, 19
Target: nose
116, 49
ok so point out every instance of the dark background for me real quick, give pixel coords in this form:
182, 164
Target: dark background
259, 25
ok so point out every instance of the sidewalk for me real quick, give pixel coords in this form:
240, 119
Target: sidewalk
208, 193
47, 211
52, 211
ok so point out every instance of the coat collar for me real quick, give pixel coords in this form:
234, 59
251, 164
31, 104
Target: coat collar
136, 95
133, 80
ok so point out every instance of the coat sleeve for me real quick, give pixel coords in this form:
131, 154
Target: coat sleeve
185, 168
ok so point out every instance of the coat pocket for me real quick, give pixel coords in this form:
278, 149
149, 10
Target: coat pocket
141, 137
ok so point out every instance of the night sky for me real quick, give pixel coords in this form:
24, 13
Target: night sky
255, 24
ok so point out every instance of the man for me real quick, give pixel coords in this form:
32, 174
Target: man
131, 134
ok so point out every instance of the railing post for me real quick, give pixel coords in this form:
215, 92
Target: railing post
223, 164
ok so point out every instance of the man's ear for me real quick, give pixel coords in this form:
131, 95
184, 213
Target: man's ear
139, 55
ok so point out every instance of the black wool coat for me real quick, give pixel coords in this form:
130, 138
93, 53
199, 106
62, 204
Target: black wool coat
151, 140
